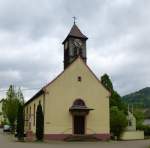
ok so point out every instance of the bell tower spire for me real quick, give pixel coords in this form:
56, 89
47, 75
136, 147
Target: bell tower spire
74, 45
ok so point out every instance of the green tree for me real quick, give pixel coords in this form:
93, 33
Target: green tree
147, 113
20, 96
20, 123
20, 116
118, 109
4, 112
115, 99
39, 123
118, 122
11, 104
139, 115
107, 82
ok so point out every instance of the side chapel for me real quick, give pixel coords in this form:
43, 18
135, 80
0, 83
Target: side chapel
75, 102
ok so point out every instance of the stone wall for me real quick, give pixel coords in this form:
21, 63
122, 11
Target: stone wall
132, 135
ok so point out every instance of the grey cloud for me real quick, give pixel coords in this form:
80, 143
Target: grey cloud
31, 33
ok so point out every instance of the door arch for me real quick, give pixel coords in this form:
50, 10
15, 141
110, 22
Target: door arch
79, 110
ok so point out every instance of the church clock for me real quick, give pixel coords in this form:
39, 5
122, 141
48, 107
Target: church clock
78, 43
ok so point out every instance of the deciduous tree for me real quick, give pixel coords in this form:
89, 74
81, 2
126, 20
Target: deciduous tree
118, 109
107, 82
11, 105
118, 122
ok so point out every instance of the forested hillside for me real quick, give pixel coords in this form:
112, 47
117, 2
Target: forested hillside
140, 99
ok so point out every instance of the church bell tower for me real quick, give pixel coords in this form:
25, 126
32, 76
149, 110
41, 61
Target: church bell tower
74, 46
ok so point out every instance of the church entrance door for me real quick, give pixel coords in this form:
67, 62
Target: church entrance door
79, 124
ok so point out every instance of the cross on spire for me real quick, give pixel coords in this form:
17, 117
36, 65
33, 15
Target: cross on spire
74, 19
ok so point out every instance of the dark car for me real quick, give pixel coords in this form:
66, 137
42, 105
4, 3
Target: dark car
6, 128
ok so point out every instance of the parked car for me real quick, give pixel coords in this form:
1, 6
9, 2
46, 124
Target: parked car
6, 128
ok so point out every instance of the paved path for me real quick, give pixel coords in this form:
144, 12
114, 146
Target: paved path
7, 142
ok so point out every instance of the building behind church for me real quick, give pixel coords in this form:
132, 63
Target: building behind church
75, 102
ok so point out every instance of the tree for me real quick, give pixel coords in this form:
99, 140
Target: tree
11, 106
20, 116
39, 123
147, 113
118, 109
20, 96
107, 82
20, 123
118, 122
115, 99
139, 115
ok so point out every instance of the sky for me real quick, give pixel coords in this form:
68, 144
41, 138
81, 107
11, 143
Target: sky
32, 31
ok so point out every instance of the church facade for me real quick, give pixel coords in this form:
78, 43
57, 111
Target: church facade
75, 102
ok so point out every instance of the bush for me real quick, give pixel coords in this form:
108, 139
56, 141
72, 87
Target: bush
118, 121
39, 123
20, 123
146, 129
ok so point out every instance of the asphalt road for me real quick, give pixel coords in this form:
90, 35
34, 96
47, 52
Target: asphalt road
6, 141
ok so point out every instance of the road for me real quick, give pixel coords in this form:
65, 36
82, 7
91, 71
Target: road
6, 141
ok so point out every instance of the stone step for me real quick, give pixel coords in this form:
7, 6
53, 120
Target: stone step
81, 138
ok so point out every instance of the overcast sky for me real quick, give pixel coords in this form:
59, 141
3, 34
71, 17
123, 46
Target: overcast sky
31, 33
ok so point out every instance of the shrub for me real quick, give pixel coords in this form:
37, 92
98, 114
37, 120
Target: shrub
146, 129
20, 123
39, 123
118, 121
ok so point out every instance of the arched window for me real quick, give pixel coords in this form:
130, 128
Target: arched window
79, 102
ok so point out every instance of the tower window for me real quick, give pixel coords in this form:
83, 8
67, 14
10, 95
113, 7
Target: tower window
75, 51
79, 78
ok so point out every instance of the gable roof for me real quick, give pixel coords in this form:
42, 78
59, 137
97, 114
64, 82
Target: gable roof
75, 32
41, 91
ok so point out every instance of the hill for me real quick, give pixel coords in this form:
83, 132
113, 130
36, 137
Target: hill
140, 98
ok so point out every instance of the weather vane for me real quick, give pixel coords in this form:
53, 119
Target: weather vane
74, 19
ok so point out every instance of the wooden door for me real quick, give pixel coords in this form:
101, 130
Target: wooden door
79, 125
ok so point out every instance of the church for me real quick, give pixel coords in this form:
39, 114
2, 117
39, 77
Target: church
75, 103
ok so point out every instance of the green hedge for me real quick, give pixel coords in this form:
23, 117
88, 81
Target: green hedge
146, 129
